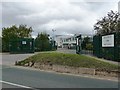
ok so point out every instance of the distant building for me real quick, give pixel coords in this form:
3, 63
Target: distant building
69, 41
61, 39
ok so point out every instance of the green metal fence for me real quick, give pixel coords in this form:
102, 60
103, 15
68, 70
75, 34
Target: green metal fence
21, 45
110, 53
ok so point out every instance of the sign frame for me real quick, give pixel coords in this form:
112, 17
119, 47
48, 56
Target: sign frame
108, 40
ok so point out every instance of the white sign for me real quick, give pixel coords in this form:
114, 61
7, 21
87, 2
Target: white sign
108, 41
23, 42
77, 41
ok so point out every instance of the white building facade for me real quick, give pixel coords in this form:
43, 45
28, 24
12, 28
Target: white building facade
65, 41
69, 41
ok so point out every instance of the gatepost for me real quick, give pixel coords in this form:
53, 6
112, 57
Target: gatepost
78, 44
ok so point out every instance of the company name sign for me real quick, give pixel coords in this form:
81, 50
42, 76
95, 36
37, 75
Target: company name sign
108, 41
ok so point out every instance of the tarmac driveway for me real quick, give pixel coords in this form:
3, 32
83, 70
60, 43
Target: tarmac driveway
9, 59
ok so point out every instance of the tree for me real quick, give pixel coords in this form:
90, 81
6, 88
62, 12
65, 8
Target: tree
108, 24
84, 42
42, 42
14, 32
24, 31
87, 43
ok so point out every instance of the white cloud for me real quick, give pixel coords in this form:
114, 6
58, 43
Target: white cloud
66, 16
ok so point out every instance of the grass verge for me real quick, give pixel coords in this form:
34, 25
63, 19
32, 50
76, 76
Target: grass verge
73, 60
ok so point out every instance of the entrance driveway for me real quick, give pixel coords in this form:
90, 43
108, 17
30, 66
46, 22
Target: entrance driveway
10, 59
65, 50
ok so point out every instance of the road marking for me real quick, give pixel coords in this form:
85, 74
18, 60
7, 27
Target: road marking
18, 85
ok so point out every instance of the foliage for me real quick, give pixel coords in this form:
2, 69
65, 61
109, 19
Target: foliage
89, 46
14, 32
108, 24
42, 42
86, 43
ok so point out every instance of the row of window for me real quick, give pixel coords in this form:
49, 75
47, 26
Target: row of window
68, 39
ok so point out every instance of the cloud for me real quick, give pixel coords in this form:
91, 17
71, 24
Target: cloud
66, 16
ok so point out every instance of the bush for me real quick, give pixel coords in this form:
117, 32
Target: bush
89, 46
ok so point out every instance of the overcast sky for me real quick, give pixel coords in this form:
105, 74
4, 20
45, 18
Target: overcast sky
65, 16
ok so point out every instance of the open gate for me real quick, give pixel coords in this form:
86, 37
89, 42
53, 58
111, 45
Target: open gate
82, 47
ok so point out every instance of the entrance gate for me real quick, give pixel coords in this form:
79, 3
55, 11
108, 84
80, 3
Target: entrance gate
82, 47
104, 46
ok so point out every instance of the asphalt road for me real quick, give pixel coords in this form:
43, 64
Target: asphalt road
42, 79
65, 50
9, 59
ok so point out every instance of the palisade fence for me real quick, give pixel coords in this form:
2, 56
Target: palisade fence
21, 45
44, 46
81, 47
107, 46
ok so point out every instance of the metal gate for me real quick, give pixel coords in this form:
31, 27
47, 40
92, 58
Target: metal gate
81, 46
22, 45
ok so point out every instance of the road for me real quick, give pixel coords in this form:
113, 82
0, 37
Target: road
65, 50
41, 79
9, 59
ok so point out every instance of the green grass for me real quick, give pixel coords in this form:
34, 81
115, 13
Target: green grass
74, 60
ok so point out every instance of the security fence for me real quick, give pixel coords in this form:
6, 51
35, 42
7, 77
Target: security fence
21, 45
104, 46
45, 46
107, 46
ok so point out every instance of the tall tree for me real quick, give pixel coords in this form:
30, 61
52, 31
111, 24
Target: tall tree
24, 31
14, 32
42, 42
108, 24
